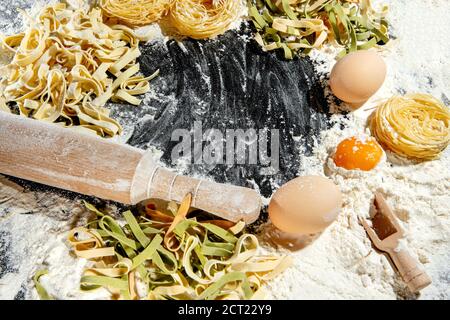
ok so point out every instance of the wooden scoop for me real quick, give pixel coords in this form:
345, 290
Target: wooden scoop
68, 159
386, 235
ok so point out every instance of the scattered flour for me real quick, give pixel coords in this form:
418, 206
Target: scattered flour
340, 263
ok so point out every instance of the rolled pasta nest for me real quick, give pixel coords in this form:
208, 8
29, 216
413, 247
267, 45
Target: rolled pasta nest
414, 126
136, 12
201, 19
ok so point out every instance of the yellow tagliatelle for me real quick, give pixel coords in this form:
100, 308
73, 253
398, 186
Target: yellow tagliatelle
67, 65
415, 126
43, 294
173, 256
136, 12
202, 19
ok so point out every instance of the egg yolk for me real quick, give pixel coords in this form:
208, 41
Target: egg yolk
356, 153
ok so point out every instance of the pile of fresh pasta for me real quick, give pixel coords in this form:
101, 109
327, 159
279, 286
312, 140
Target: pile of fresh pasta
298, 26
171, 256
67, 64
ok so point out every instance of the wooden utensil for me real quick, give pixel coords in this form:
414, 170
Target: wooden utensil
386, 235
64, 158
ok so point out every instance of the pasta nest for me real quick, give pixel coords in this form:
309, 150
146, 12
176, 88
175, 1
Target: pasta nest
201, 19
414, 126
136, 12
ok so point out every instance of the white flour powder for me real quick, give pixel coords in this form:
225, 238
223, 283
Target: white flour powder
341, 263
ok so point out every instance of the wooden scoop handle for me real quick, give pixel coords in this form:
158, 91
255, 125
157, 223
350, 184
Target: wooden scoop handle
65, 158
415, 277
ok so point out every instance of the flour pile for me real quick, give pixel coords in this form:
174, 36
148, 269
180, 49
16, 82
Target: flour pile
341, 263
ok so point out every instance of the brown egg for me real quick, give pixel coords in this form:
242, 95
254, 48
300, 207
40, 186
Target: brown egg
305, 205
357, 77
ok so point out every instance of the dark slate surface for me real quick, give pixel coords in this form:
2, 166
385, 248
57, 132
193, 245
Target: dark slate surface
247, 88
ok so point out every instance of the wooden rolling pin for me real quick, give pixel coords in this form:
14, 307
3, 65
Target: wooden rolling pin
52, 155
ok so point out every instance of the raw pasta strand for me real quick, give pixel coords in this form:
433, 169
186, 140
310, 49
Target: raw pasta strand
43, 295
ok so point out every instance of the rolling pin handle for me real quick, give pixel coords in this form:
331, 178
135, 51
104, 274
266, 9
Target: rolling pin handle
226, 201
